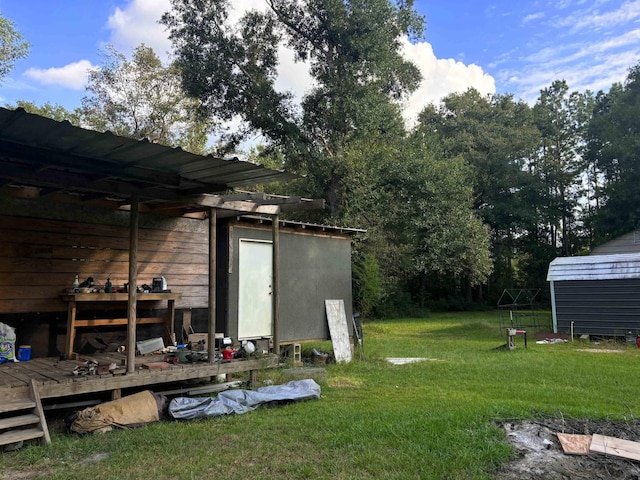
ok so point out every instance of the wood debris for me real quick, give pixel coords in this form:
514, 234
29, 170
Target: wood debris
574, 444
615, 446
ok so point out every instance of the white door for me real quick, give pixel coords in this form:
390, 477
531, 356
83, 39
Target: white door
255, 289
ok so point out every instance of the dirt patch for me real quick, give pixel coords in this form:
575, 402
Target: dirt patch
540, 455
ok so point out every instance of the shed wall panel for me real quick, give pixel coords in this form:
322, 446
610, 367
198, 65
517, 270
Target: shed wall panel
313, 268
598, 307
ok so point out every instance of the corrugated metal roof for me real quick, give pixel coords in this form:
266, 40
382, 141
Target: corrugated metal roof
595, 267
57, 156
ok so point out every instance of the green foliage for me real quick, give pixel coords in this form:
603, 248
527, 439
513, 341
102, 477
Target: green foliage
357, 69
614, 150
49, 110
489, 139
141, 98
368, 290
12, 46
562, 118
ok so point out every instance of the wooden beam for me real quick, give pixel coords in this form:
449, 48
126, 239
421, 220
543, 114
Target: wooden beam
275, 283
316, 204
197, 202
133, 285
213, 232
249, 207
253, 196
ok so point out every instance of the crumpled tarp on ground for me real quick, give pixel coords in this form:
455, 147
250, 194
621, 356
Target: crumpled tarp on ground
133, 410
242, 401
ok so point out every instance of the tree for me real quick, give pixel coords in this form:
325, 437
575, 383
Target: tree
614, 153
142, 98
49, 110
416, 206
493, 136
562, 119
347, 135
353, 49
12, 46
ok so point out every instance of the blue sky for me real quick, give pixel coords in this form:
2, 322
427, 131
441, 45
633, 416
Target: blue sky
498, 46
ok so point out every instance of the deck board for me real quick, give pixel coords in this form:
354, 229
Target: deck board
56, 380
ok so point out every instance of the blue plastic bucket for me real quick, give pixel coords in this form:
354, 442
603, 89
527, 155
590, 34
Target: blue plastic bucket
24, 353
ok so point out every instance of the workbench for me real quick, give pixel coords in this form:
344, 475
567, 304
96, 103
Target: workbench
73, 299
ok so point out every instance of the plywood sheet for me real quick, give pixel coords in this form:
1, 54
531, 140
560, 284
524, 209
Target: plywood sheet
575, 444
337, 318
615, 446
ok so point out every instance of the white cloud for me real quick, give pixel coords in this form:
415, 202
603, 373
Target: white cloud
532, 17
585, 65
138, 23
441, 77
73, 75
591, 18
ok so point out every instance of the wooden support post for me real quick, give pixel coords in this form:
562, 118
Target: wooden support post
275, 227
133, 285
71, 329
211, 343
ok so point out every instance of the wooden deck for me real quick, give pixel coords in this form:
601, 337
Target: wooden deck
55, 378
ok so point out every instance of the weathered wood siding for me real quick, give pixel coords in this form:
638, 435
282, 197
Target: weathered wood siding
39, 257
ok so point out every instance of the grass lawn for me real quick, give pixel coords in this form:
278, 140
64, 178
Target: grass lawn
430, 420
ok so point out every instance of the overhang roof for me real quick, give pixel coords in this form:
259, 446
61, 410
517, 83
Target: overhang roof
595, 267
53, 157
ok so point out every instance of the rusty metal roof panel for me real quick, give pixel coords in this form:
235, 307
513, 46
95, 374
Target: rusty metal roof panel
39, 151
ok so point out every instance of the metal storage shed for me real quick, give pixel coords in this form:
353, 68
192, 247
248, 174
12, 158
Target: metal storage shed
596, 294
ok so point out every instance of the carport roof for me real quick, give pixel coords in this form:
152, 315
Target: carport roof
54, 157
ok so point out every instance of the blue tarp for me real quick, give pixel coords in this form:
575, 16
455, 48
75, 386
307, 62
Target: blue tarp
242, 401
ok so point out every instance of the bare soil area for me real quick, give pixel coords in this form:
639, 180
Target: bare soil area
540, 454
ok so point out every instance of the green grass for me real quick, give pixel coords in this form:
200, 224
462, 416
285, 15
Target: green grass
431, 420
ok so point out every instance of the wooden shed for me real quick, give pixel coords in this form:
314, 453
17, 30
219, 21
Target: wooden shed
79, 202
596, 294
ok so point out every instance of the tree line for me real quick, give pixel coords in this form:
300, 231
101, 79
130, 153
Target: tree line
479, 196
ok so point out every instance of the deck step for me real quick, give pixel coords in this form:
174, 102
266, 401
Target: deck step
19, 421
20, 413
16, 405
14, 436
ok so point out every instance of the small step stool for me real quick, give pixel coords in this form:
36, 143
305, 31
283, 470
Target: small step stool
511, 337
23, 419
